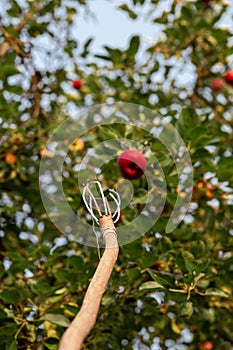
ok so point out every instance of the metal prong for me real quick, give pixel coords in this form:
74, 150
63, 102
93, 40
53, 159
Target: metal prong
102, 195
89, 207
91, 202
117, 200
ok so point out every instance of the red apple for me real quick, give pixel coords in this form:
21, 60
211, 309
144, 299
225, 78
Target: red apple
77, 84
217, 84
203, 191
131, 164
158, 265
120, 218
200, 184
10, 158
207, 2
205, 345
229, 77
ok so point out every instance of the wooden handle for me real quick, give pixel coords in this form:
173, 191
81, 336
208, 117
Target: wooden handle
85, 320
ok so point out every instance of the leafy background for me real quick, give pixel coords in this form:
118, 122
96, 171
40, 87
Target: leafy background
167, 291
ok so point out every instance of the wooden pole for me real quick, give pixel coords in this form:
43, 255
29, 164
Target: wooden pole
85, 320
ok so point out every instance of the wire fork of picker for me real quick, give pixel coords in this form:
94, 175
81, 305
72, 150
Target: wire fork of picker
91, 202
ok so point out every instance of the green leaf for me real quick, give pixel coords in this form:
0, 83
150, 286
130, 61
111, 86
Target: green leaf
103, 57
142, 197
7, 332
42, 289
165, 244
151, 285
114, 54
196, 267
162, 19
51, 343
141, 2
162, 279
87, 43
15, 10
215, 292
186, 309
10, 295
36, 28
187, 12
185, 122
86, 47
198, 249
76, 263
14, 345
133, 46
49, 7
132, 275
63, 275
57, 319
130, 12
224, 169
106, 132
3, 315
133, 250
147, 260
180, 261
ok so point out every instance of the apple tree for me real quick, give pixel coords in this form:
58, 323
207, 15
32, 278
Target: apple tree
168, 290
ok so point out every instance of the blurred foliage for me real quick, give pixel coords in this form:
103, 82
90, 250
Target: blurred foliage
170, 290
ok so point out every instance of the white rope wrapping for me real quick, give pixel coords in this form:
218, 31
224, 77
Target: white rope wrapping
107, 230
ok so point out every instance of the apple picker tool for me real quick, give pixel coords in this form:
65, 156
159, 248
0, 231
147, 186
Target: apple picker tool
104, 216
98, 205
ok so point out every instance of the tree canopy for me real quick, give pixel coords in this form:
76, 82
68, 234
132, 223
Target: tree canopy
168, 290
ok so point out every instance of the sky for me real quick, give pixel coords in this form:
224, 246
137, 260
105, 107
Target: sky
109, 25
113, 27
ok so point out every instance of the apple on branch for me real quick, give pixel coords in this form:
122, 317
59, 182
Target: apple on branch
229, 77
77, 84
131, 164
217, 84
